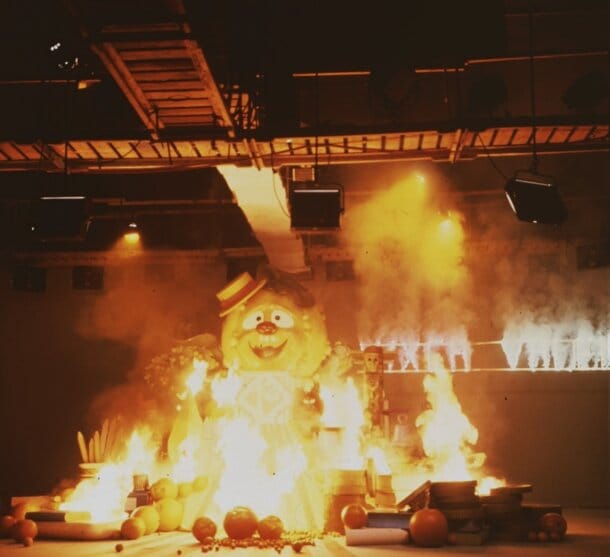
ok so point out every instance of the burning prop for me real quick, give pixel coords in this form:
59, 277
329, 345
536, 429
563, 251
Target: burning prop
271, 438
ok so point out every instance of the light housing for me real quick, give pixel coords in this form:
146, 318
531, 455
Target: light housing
535, 198
315, 207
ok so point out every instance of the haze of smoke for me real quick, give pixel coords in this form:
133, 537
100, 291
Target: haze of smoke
152, 309
534, 292
408, 255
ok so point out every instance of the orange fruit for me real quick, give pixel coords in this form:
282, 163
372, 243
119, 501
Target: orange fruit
20, 509
150, 516
164, 488
270, 528
200, 483
133, 528
23, 529
170, 514
203, 528
429, 528
185, 489
6, 523
240, 523
354, 516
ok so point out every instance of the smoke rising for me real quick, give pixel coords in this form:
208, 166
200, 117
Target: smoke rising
408, 247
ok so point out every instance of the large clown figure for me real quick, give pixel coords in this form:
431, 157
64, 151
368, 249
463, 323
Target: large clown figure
273, 325
274, 337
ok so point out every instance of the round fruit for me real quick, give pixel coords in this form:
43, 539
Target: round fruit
185, 489
542, 537
354, 516
133, 528
200, 483
270, 528
6, 523
204, 528
24, 529
170, 514
149, 515
429, 528
20, 509
27, 542
164, 488
554, 523
240, 523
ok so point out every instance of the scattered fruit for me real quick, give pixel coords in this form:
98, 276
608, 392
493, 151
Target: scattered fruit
150, 515
133, 528
185, 489
170, 514
240, 523
20, 509
200, 483
204, 529
23, 529
429, 528
6, 523
28, 542
554, 525
118, 547
354, 516
270, 528
543, 537
164, 488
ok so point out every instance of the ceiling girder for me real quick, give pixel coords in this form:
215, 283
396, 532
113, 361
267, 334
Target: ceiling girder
123, 155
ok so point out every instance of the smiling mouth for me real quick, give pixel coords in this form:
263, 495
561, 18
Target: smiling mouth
267, 352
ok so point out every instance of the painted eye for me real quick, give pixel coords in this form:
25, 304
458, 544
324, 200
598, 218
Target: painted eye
282, 318
252, 320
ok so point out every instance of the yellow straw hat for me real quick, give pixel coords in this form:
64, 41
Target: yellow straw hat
237, 292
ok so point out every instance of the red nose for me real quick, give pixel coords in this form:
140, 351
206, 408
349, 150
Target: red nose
266, 328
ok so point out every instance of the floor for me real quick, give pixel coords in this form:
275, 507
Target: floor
588, 536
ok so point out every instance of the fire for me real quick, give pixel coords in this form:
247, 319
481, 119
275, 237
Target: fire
225, 389
559, 345
343, 410
447, 435
194, 382
103, 495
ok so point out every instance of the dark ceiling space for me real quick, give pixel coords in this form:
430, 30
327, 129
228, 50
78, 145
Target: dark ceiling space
133, 103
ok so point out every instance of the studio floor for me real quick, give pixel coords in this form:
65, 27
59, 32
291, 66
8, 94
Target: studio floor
588, 536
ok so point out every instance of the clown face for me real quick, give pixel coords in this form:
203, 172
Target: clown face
271, 333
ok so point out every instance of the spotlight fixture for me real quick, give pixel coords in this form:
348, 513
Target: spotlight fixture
131, 233
315, 207
535, 198
60, 218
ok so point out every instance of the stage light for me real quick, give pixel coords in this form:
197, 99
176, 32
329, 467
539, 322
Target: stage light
132, 234
535, 198
315, 207
60, 218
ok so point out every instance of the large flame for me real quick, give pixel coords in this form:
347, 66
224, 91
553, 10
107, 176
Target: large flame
448, 436
104, 494
343, 410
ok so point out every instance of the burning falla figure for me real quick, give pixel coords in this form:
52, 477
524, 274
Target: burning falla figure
259, 442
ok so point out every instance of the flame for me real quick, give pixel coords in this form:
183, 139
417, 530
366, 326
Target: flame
447, 435
194, 382
225, 389
558, 345
343, 409
103, 496
377, 455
